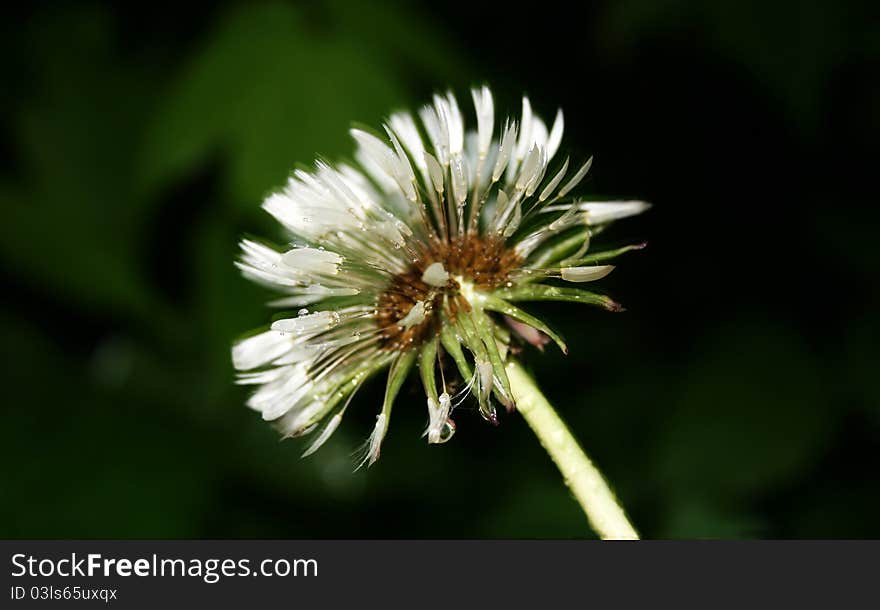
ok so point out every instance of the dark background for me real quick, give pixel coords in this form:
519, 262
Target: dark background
737, 396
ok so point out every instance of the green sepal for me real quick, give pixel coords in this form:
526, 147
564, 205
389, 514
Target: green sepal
453, 347
605, 255
484, 327
502, 335
542, 292
399, 370
427, 358
501, 306
478, 349
340, 392
558, 250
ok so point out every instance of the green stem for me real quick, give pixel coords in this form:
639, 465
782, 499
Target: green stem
605, 515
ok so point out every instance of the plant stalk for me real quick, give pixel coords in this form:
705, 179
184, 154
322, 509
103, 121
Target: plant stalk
597, 500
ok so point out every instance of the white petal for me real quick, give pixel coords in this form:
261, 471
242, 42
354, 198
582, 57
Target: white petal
359, 185
313, 293
436, 172
305, 210
377, 150
445, 402
260, 349
539, 133
502, 202
575, 180
525, 136
459, 178
301, 420
485, 109
555, 137
513, 225
486, 378
551, 186
376, 437
260, 377
406, 174
391, 231
437, 133
438, 419
451, 114
278, 397
585, 274
538, 174
325, 434
599, 212
405, 127
312, 260
504, 151
379, 175
415, 316
263, 264
435, 275
307, 323
386, 159
529, 168
566, 220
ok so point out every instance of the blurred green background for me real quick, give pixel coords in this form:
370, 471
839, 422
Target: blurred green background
737, 397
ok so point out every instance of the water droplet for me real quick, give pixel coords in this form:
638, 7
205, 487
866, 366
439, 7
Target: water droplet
447, 431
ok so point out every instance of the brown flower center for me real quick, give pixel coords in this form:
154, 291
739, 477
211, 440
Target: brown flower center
485, 262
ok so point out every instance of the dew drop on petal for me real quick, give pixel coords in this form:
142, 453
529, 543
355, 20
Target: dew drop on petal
447, 431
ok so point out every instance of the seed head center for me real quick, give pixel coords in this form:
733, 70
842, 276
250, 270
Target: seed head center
413, 305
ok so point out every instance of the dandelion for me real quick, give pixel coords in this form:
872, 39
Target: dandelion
419, 255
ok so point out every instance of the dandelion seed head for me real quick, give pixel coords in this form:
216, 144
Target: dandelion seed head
417, 256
